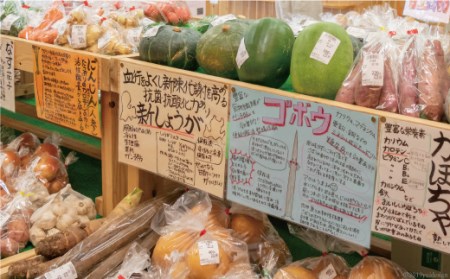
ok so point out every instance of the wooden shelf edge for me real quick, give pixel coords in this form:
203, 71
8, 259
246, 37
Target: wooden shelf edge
68, 142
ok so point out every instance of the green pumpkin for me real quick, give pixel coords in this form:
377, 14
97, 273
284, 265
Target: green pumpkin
269, 43
217, 48
313, 77
171, 46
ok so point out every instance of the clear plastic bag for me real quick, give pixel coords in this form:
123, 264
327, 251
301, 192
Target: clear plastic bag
168, 11
15, 224
25, 145
380, 268
266, 248
45, 30
9, 168
12, 17
113, 40
329, 265
49, 170
372, 81
65, 209
135, 263
28, 185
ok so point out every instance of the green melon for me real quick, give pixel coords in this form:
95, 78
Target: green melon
269, 43
217, 48
171, 46
315, 78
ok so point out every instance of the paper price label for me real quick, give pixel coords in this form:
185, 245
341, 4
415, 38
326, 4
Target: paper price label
134, 35
357, 32
242, 54
78, 37
325, 48
4, 217
328, 273
8, 21
223, 19
152, 32
372, 69
208, 252
66, 271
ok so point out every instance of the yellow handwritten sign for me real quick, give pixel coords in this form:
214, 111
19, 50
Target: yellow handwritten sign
66, 89
174, 125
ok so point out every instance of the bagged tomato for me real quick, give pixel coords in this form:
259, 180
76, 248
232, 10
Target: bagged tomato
266, 248
171, 12
372, 82
192, 243
329, 264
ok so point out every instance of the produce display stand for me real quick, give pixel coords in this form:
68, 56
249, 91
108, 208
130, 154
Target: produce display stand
111, 177
136, 176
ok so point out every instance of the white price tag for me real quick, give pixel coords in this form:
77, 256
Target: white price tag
328, 273
223, 19
325, 48
152, 32
66, 271
134, 35
357, 32
78, 37
4, 217
209, 252
242, 54
372, 69
8, 21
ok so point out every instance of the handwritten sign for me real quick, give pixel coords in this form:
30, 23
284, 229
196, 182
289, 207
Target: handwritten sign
174, 125
7, 75
305, 162
433, 11
66, 89
413, 184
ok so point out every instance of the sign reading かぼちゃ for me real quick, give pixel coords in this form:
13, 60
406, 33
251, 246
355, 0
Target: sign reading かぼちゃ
412, 198
173, 125
66, 88
309, 163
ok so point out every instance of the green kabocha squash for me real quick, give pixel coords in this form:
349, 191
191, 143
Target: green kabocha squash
269, 43
217, 48
172, 46
314, 77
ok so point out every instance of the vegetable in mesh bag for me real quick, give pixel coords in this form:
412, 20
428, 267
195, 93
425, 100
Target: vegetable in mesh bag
14, 224
380, 268
107, 239
266, 248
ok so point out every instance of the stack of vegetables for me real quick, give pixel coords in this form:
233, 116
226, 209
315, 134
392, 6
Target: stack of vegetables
31, 174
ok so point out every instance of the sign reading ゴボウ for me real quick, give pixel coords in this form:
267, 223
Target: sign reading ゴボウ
7, 85
305, 162
66, 89
412, 198
174, 125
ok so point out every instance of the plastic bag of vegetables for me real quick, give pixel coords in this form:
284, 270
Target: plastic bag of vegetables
15, 224
13, 19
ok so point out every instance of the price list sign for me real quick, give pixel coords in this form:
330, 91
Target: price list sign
412, 198
7, 85
305, 162
66, 89
174, 125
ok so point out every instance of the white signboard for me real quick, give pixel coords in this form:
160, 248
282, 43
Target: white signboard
7, 85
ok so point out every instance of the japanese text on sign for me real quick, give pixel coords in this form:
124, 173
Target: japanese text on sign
66, 89
174, 125
413, 185
7, 82
285, 151
325, 48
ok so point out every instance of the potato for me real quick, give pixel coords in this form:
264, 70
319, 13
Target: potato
18, 230
8, 247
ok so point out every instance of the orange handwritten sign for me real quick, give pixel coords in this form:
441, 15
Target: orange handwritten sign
66, 89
